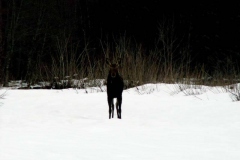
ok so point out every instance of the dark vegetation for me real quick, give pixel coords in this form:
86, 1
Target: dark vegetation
157, 41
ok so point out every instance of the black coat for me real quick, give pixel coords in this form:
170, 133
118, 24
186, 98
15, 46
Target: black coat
114, 86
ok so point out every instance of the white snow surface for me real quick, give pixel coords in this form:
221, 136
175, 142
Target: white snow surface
158, 123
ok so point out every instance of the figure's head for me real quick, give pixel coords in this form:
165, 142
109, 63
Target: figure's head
113, 67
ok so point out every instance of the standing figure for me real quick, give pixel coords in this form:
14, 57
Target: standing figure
114, 88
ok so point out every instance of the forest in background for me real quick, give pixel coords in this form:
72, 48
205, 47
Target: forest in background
157, 41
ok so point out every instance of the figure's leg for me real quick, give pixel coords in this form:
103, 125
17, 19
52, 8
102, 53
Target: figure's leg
110, 106
112, 109
119, 99
117, 107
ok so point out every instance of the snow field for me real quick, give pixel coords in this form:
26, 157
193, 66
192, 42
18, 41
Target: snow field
155, 124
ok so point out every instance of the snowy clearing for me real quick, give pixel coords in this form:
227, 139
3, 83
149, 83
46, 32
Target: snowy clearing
157, 122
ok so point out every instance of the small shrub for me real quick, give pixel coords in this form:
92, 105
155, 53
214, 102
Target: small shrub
234, 92
188, 89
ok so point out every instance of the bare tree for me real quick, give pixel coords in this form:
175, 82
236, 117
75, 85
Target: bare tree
13, 24
2, 12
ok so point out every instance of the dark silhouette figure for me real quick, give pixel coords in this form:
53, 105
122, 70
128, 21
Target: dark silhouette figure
114, 88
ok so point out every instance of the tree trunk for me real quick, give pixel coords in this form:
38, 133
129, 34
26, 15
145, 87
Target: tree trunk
10, 41
1, 44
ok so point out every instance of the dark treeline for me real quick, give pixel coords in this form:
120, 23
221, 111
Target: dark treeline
36, 34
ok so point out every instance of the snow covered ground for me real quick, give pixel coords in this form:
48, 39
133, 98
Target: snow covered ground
158, 123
